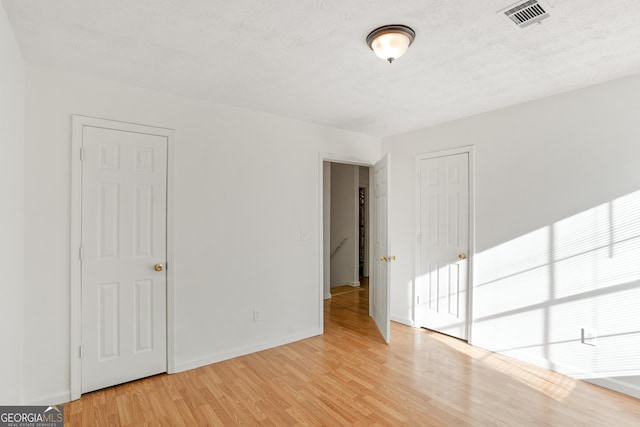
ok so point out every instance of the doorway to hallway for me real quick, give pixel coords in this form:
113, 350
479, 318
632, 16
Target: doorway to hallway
347, 223
345, 233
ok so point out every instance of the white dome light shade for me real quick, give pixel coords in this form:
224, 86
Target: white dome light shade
390, 46
391, 41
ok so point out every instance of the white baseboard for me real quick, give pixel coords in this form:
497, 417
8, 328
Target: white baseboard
65, 396
616, 385
242, 351
354, 284
327, 295
403, 320
605, 381
52, 399
524, 357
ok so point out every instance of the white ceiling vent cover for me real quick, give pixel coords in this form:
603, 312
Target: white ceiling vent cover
525, 13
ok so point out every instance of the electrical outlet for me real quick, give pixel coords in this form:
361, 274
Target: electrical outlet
257, 315
588, 337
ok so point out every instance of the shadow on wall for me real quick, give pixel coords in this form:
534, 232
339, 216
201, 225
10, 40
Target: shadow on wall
539, 296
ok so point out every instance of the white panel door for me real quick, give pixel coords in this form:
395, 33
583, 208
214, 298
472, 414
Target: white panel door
123, 238
442, 283
379, 300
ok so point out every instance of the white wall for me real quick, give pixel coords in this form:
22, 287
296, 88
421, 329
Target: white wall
557, 227
344, 225
246, 189
11, 213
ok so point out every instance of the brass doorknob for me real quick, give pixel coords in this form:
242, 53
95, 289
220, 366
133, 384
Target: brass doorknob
383, 258
392, 258
462, 256
158, 267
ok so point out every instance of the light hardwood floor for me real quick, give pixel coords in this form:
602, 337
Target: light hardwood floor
349, 376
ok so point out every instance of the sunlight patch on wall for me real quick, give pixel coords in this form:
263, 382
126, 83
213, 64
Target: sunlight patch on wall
513, 275
534, 294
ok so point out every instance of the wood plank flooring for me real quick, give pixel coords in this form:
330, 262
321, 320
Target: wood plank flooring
349, 376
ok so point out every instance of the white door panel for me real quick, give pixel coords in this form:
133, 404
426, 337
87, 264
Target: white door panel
442, 280
123, 238
381, 272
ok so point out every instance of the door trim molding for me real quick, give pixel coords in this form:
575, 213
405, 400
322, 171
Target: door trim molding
77, 124
470, 150
331, 158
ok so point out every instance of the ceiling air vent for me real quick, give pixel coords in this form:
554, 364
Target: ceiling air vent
525, 13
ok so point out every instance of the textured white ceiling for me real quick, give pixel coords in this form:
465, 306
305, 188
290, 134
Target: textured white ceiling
307, 59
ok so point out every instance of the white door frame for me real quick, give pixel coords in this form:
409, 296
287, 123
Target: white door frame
77, 123
472, 220
327, 157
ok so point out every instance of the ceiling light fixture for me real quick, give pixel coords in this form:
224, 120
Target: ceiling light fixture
391, 41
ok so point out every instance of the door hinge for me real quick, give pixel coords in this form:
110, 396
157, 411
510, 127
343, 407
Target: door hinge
81, 154
79, 352
80, 253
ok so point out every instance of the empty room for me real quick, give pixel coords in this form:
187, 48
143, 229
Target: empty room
320, 213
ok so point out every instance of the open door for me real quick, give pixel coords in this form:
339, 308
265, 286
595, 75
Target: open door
379, 301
